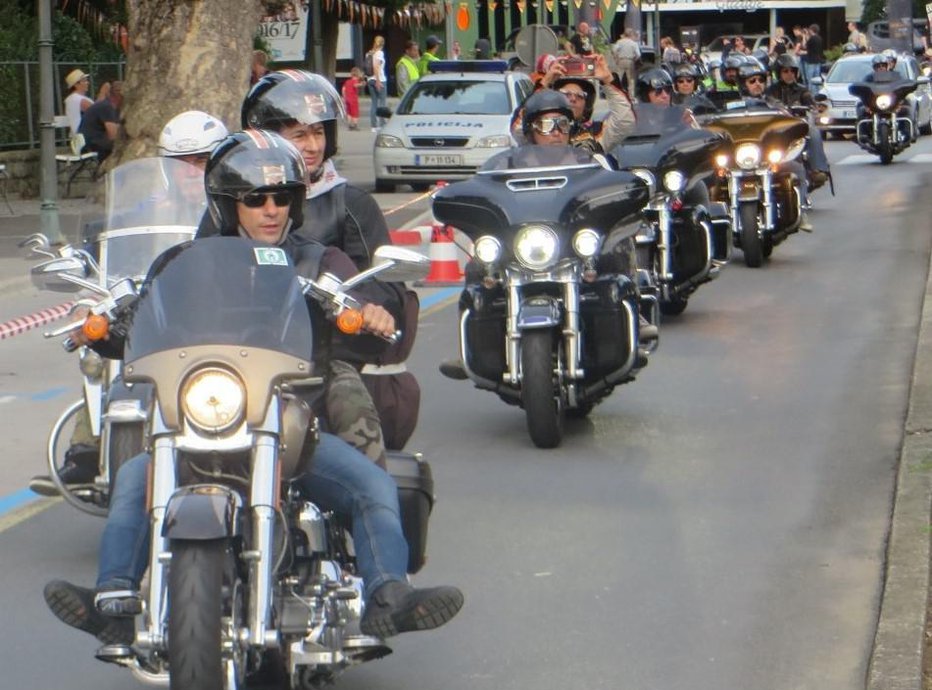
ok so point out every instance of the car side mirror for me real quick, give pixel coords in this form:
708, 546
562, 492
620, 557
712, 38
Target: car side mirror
817, 81
820, 98
383, 111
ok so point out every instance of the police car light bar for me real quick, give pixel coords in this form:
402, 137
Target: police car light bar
492, 66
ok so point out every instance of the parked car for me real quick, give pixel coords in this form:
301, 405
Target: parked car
713, 51
878, 35
840, 116
448, 123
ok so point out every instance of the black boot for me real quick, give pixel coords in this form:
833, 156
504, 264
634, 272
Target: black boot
74, 606
397, 607
80, 467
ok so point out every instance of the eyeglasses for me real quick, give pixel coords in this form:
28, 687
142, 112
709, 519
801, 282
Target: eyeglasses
574, 95
546, 125
784, 70
259, 199
754, 80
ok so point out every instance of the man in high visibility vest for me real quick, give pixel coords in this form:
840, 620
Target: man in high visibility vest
406, 69
430, 53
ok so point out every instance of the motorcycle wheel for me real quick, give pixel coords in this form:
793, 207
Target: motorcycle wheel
751, 243
674, 307
886, 146
545, 414
126, 442
195, 618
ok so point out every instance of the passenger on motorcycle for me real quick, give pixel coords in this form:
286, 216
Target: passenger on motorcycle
256, 183
189, 136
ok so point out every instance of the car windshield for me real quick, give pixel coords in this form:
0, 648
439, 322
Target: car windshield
848, 71
456, 98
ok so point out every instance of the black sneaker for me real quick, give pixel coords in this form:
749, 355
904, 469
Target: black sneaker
80, 467
74, 606
397, 607
453, 369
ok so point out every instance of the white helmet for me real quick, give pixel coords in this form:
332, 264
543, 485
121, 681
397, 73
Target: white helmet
190, 133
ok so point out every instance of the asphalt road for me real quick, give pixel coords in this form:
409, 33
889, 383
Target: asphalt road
720, 523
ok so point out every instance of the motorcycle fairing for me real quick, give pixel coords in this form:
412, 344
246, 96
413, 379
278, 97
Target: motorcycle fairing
202, 512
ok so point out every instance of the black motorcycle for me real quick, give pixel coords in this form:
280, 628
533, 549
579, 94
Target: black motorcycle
549, 316
881, 130
684, 239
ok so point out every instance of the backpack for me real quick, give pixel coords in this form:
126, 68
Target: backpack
368, 67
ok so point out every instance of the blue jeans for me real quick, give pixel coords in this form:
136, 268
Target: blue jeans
340, 479
379, 99
813, 70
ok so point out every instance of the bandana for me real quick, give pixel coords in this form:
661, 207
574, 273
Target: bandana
327, 180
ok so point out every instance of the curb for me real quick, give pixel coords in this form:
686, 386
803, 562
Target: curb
896, 661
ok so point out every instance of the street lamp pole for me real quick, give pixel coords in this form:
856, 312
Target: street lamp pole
48, 209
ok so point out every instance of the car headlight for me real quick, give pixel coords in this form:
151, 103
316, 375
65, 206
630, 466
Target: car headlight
536, 246
884, 101
488, 249
498, 141
586, 243
213, 399
674, 181
388, 141
747, 156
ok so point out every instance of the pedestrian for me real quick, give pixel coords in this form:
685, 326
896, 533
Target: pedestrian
376, 81
406, 69
626, 54
100, 123
77, 101
671, 54
351, 96
456, 51
856, 37
483, 49
582, 40
813, 56
431, 48
259, 68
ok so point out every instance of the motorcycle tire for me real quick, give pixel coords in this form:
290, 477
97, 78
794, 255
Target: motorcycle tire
543, 408
195, 618
126, 442
751, 243
886, 145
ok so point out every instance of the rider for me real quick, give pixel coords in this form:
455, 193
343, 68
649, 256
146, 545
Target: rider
729, 73
255, 184
686, 80
190, 137
882, 68
306, 110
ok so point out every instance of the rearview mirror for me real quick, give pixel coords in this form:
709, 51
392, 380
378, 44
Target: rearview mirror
383, 111
393, 264
817, 81
59, 274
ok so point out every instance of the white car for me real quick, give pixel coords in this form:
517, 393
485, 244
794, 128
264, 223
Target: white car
449, 123
840, 116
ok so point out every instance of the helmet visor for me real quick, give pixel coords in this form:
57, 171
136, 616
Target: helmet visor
305, 102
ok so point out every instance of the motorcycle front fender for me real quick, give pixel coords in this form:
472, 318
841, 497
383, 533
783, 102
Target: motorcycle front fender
539, 312
202, 512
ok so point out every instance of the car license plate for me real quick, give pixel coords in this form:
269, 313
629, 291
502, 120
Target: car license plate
848, 114
438, 159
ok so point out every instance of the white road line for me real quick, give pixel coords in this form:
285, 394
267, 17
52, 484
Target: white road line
921, 158
7, 398
858, 159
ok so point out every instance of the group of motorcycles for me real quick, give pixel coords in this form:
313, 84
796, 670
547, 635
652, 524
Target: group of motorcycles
247, 579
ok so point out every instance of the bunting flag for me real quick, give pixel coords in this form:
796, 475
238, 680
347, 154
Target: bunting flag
521, 5
549, 5
578, 3
608, 5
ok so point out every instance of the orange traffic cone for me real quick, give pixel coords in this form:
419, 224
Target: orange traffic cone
444, 264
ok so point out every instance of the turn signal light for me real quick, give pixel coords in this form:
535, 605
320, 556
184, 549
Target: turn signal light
349, 321
96, 327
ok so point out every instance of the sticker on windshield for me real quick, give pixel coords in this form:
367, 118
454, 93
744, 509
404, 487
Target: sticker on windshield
270, 256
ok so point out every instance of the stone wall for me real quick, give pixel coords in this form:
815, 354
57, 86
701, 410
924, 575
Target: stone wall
23, 181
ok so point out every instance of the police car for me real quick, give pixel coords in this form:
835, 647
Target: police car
450, 122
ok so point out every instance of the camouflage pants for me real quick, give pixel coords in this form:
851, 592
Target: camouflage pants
351, 414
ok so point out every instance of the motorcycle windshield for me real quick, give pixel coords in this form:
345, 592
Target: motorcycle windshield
665, 137
221, 291
154, 192
128, 254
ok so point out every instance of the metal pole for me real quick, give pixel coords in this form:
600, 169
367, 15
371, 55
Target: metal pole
48, 210
317, 41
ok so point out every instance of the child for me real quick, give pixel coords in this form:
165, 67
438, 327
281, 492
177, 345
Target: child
351, 96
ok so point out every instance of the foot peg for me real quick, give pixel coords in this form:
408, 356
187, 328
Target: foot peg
120, 654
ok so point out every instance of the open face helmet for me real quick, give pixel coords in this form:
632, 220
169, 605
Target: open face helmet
253, 161
750, 70
785, 61
190, 133
543, 102
588, 88
654, 79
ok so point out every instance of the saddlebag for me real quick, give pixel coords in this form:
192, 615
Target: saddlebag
606, 342
485, 331
416, 498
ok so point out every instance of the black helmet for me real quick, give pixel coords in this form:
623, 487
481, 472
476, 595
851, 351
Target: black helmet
586, 86
291, 95
785, 61
751, 68
651, 80
733, 62
540, 102
249, 161
687, 70
879, 59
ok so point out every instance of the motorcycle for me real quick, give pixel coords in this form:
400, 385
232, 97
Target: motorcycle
548, 317
245, 575
148, 209
763, 196
684, 239
880, 130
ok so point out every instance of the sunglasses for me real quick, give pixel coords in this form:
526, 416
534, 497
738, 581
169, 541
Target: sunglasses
684, 80
784, 70
575, 95
755, 80
662, 89
546, 125
258, 199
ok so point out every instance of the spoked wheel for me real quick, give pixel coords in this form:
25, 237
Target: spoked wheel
126, 442
539, 395
201, 586
751, 243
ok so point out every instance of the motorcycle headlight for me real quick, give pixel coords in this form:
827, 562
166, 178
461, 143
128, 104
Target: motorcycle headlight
586, 243
774, 156
747, 156
536, 246
674, 181
213, 399
721, 160
884, 101
488, 249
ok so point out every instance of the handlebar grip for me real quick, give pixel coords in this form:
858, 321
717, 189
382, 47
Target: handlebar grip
69, 345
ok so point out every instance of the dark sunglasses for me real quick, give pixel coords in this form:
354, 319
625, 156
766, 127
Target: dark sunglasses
662, 89
684, 80
546, 125
787, 69
258, 199
755, 80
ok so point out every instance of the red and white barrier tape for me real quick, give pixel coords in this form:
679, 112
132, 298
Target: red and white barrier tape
40, 318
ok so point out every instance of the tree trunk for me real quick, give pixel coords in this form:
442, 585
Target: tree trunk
330, 29
184, 55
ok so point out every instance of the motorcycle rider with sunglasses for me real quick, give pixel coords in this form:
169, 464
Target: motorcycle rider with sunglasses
255, 184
